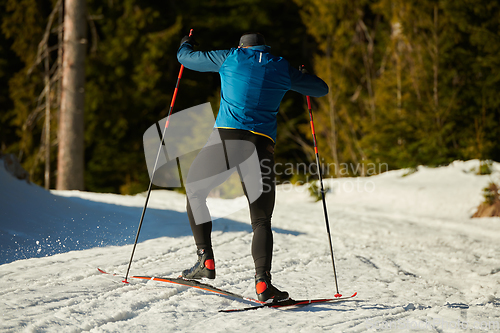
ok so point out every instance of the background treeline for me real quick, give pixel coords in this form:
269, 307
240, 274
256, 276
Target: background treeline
412, 82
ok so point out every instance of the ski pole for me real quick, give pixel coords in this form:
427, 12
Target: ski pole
322, 192
156, 162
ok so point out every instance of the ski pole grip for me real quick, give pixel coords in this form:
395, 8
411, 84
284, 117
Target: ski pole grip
190, 32
307, 97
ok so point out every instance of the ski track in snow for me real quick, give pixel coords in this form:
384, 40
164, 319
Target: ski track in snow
410, 264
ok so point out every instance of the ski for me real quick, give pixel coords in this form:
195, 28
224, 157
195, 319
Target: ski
190, 283
291, 303
207, 287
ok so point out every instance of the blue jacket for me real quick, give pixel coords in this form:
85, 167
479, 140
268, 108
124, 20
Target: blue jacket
253, 83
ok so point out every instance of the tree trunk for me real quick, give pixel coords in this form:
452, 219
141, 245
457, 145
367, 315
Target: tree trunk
70, 166
47, 119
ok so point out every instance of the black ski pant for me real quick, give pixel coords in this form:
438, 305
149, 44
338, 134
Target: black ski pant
252, 156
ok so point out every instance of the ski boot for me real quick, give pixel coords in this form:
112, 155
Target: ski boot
203, 268
266, 292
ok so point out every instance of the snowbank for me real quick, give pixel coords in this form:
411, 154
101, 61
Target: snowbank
451, 192
36, 223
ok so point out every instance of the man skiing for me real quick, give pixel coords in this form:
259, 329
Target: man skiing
253, 83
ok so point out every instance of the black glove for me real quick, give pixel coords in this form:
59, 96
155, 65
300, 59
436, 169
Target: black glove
303, 70
190, 40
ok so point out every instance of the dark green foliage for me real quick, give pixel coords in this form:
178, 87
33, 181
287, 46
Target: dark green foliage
379, 58
9, 65
490, 193
413, 82
315, 191
485, 168
22, 28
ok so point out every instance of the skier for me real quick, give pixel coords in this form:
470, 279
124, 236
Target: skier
253, 83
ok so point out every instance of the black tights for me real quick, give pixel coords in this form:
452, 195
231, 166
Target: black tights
252, 156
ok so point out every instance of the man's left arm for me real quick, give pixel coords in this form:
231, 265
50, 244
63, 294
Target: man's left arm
307, 84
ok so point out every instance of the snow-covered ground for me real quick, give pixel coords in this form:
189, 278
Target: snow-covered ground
407, 245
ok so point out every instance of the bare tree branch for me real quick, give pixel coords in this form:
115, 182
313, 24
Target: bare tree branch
93, 31
43, 43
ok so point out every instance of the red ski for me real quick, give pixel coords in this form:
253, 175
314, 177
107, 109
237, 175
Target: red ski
190, 283
292, 303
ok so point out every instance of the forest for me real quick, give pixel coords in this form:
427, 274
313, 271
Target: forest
411, 82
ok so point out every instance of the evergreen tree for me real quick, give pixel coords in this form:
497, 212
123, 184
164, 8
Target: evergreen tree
22, 26
348, 34
417, 78
9, 65
475, 65
411, 82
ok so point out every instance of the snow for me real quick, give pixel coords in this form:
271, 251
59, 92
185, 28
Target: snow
406, 244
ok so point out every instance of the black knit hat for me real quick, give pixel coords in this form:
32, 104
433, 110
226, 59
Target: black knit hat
252, 39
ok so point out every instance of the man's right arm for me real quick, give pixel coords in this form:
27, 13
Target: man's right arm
307, 84
201, 61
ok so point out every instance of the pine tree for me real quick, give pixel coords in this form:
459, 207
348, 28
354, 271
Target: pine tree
22, 27
347, 33
416, 78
